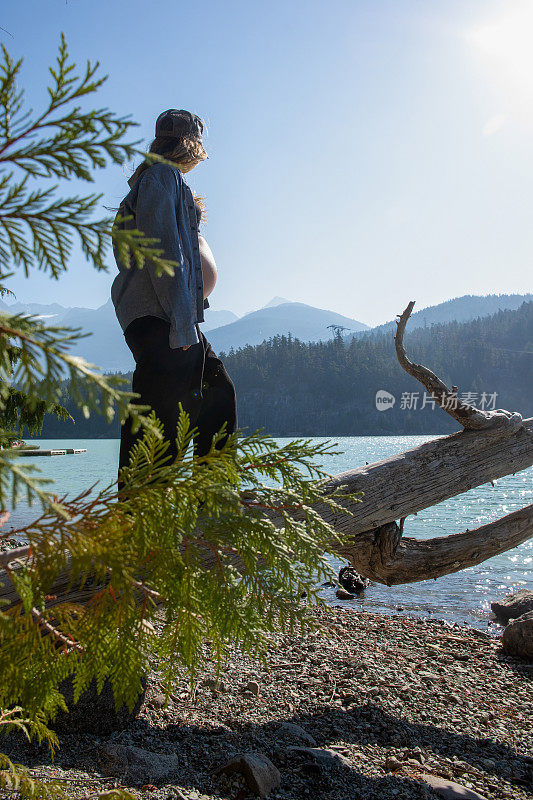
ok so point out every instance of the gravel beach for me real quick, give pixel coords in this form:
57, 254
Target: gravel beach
364, 710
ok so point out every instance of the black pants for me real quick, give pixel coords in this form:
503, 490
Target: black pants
166, 376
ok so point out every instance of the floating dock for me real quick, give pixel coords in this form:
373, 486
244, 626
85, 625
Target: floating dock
67, 451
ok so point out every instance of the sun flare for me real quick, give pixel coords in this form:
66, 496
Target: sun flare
504, 44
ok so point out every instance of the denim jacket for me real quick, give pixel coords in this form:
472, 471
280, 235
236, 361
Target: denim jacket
162, 207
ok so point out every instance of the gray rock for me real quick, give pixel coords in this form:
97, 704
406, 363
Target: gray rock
259, 772
295, 732
449, 790
94, 713
513, 605
352, 581
135, 766
430, 676
323, 755
517, 638
392, 764
158, 700
342, 594
214, 685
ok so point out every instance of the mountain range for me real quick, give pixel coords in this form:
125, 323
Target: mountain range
227, 331
460, 309
291, 388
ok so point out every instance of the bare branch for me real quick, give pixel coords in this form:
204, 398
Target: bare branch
470, 417
58, 636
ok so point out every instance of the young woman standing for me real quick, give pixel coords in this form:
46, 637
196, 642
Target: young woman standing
159, 315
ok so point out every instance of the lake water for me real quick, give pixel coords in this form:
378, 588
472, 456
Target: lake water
463, 597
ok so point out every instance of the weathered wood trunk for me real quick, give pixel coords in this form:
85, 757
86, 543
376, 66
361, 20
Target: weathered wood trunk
416, 479
428, 474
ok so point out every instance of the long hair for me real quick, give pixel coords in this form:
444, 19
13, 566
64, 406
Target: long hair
183, 149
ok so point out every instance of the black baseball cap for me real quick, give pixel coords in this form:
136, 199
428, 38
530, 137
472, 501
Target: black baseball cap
177, 122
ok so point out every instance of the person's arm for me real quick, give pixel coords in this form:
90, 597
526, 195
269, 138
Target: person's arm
156, 217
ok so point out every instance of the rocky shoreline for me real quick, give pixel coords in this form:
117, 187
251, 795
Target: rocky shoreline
377, 706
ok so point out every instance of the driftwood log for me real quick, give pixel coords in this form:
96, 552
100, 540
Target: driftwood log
490, 445
424, 476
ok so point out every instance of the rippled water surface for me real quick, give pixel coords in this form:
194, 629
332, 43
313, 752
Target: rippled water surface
462, 597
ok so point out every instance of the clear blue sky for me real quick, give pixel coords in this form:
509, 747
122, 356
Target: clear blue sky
363, 153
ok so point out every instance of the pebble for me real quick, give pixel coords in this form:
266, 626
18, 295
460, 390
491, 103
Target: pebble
253, 687
158, 700
135, 765
449, 790
259, 772
326, 756
342, 594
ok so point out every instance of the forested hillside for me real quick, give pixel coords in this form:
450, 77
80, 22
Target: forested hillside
329, 388
459, 309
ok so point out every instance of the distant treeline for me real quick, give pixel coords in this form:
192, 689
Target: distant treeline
292, 388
